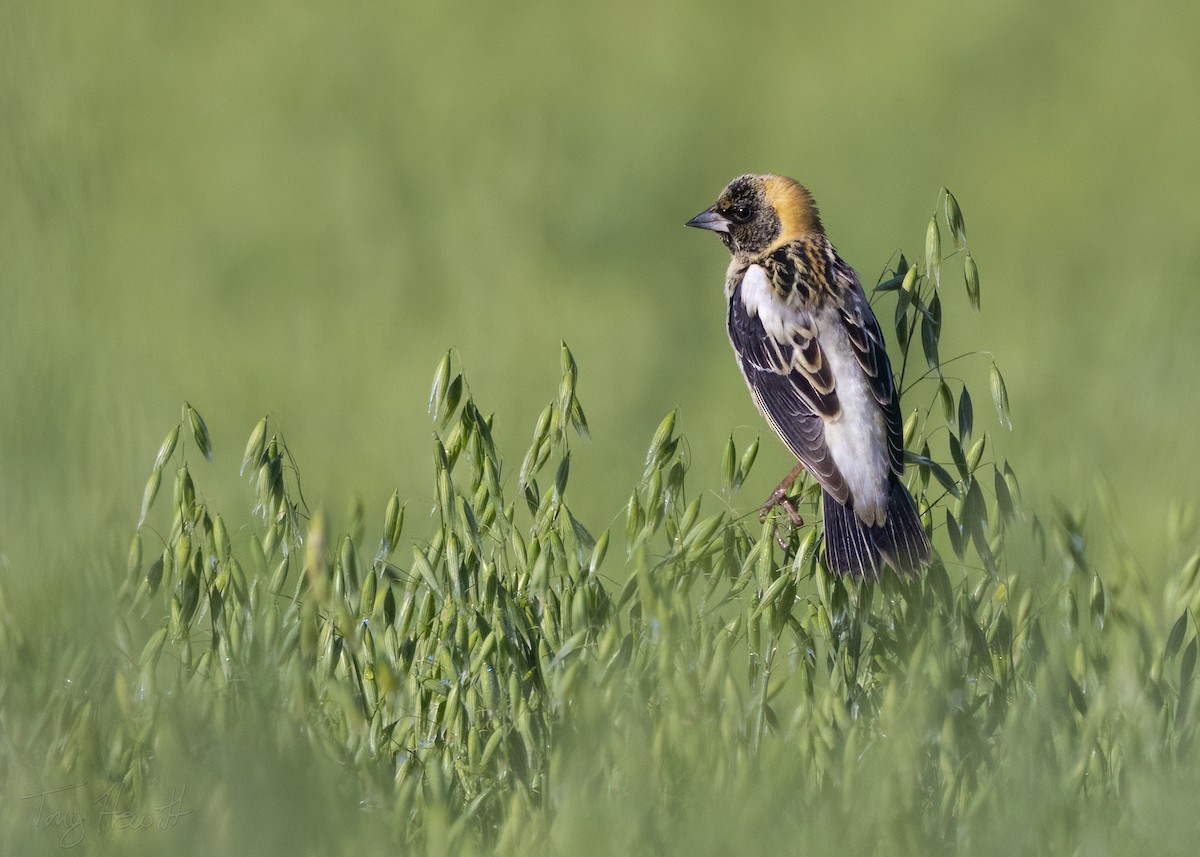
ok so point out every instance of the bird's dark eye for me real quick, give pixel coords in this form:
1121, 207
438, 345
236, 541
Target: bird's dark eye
739, 213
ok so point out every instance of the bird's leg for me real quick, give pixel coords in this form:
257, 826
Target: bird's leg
797, 520
779, 498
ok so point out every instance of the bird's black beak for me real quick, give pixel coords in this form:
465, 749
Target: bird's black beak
712, 219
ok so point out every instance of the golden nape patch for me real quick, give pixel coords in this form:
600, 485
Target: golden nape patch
798, 215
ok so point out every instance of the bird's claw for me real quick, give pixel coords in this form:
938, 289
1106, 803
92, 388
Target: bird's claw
780, 498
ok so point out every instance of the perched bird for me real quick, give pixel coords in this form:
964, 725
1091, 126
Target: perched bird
813, 355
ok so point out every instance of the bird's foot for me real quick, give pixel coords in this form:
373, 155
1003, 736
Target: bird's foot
779, 497
795, 520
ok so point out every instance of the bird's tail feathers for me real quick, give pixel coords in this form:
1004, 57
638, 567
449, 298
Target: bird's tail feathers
853, 547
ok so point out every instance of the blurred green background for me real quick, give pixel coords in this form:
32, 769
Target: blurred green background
296, 208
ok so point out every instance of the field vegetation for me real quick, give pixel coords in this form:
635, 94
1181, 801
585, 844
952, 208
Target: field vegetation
475, 622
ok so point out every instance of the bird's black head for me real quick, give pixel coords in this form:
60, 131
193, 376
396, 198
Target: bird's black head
756, 214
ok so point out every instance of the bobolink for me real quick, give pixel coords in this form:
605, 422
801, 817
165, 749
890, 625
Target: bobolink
813, 355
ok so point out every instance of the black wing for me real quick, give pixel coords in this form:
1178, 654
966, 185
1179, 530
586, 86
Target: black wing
792, 386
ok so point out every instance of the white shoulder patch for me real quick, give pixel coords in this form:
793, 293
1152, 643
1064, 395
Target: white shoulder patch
761, 301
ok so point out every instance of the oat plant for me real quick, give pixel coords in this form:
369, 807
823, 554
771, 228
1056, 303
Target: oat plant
510, 680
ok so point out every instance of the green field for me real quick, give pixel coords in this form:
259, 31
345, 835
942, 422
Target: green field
297, 209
